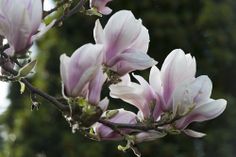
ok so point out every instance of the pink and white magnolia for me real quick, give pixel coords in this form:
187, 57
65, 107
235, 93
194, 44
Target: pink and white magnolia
100, 6
122, 116
182, 94
125, 41
192, 101
173, 90
19, 21
82, 73
177, 68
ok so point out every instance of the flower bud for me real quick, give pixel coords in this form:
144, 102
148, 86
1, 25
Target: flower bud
100, 6
122, 116
79, 69
19, 21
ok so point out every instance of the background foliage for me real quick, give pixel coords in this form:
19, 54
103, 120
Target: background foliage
205, 28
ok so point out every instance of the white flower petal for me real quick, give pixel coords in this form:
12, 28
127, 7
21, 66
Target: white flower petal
132, 60
98, 33
155, 79
176, 68
120, 32
103, 104
131, 94
193, 133
206, 111
64, 70
95, 87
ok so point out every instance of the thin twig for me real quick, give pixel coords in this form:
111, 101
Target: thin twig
53, 100
73, 11
59, 4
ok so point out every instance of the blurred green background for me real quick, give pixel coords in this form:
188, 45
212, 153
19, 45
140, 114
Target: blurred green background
204, 28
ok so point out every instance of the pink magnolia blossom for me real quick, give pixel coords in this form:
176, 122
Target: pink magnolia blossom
100, 5
192, 99
177, 68
105, 133
183, 94
19, 22
125, 41
82, 71
175, 91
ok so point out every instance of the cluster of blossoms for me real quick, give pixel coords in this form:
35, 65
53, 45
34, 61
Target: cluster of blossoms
173, 97
173, 93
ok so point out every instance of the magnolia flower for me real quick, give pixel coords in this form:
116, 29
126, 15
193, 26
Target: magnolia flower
182, 94
177, 68
19, 22
120, 116
192, 101
83, 67
125, 42
173, 90
100, 5
140, 95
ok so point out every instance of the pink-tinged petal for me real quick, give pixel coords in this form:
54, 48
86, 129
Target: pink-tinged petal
95, 87
21, 21
149, 93
130, 61
125, 80
176, 68
98, 33
18, 37
106, 133
100, 5
4, 24
36, 10
120, 32
191, 94
84, 64
142, 41
193, 133
155, 79
105, 10
206, 111
43, 29
82, 71
148, 136
103, 104
131, 94
85, 77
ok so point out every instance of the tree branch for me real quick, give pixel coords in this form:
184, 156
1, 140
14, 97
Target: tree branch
59, 4
73, 11
53, 100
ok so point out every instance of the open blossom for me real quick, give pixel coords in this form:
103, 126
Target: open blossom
122, 116
173, 90
82, 71
183, 94
100, 5
125, 41
19, 21
177, 68
192, 99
